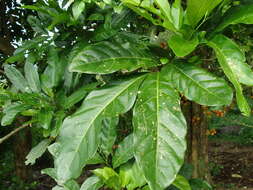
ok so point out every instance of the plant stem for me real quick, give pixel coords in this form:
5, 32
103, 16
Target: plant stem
15, 131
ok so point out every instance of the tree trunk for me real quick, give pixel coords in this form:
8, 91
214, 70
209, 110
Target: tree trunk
197, 140
22, 146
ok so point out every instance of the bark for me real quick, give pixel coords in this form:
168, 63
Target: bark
22, 146
197, 139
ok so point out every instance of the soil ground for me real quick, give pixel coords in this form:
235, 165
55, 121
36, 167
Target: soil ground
232, 165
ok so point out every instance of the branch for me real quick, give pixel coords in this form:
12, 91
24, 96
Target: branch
15, 131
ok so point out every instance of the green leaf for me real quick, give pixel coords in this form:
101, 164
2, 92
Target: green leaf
10, 112
239, 14
232, 61
96, 159
71, 185
44, 118
131, 176
196, 9
181, 46
177, 13
159, 131
108, 57
37, 151
124, 152
54, 72
92, 183
79, 137
108, 134
50, 172
16, 78
77, 9
198, 184
31, 74
181, 183
165, 8
109, 177
199, 85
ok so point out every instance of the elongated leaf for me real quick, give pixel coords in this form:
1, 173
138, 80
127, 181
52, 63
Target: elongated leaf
78, 95
109, 57
79, 136
199, 85
180, 46
77, 9
11, 111
44, 118
92, 183
181, 183
177, 13
124, 153
37, 151
233, 64
165, 8
196, 9
108, 134
31, 74
239, 14
159, 131
16, 78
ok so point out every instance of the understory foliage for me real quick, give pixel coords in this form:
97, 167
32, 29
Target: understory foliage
99, 83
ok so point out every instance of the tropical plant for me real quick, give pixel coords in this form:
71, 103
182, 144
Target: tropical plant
85, 69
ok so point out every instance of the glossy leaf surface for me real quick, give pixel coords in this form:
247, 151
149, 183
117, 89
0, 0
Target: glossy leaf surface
180, 46
124, 152
199, 85
232, 61
108, 57
159, 131
79, 136
196, 9
239, 14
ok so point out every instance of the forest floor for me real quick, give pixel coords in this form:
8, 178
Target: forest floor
231, 165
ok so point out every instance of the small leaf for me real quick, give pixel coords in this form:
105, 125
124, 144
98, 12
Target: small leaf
124, 152
16, 78
199, 85
109, 57
181, 183
239, 14
11, 111
180, 46
77, 9
37, 151
109, 177
44, 118
31, 74
233, 64
92, 183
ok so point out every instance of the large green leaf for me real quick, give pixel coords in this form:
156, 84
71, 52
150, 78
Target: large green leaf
37, 151
79, 135
196, 9
108, 57
236, 15
16, 78
199, 85
159, 131
92, 183
232, 61
124, 153
31, 74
